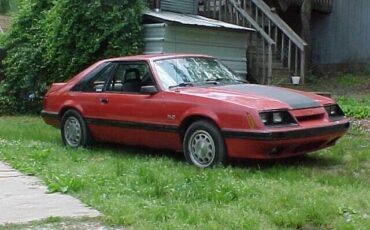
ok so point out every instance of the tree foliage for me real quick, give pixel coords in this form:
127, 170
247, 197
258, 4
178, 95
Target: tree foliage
52, 40
4, 6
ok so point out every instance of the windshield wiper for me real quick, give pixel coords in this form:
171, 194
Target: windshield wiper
184, 84
215, 81
242, 81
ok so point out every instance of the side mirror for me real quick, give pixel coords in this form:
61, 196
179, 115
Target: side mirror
150, 90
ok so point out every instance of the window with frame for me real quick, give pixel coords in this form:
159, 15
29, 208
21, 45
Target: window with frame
130, 77
98, 82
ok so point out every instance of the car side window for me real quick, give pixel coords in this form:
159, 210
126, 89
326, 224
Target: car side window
130, 77
98, 82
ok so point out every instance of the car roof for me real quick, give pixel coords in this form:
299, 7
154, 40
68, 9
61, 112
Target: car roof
153, 57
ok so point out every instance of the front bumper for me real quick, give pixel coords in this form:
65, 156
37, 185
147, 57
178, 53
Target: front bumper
283, 143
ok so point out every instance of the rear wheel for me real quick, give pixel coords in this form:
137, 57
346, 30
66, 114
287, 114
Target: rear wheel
74, 130
204, 145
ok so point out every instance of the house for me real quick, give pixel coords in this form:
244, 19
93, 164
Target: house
291, 36
340, 32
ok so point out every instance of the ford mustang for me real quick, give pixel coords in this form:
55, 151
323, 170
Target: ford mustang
192, 104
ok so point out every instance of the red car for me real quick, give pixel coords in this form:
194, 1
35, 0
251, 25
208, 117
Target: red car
190, 103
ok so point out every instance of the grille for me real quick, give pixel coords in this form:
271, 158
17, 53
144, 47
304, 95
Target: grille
310, 118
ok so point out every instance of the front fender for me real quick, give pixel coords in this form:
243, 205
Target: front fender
200, 112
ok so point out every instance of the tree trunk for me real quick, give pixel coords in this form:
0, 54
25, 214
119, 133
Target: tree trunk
306, 11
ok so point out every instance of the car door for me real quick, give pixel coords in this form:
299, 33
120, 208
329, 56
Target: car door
87, 95
131, 117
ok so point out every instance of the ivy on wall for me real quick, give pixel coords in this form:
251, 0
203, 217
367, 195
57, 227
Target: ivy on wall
50, 41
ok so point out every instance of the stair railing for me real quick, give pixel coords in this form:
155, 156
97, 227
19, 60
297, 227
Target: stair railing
230, 11
281, 41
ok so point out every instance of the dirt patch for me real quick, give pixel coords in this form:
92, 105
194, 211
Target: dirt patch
67, 224
367, 87
363, 124
72, 226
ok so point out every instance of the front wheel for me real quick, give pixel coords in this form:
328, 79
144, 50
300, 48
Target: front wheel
74, 130
203, 145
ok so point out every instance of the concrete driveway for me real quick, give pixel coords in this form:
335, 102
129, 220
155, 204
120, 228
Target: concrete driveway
24, 198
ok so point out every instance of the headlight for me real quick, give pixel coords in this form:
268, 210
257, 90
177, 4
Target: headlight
264, 117
276, 118
334, 112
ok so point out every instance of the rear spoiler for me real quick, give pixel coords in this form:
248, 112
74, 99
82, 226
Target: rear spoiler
324, 94
56, 86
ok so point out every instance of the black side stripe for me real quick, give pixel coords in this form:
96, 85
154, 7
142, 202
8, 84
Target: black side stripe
133, 125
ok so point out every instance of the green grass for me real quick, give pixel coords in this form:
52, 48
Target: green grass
149, 189
355, 106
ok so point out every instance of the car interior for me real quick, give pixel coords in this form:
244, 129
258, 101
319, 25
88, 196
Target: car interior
126, 78
130, 79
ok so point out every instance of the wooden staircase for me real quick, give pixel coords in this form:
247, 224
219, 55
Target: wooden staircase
275, 51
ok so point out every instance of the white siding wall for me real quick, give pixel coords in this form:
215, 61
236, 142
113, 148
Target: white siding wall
227, 45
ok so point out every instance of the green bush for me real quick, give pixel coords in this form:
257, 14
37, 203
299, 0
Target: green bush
4, 6
50, 41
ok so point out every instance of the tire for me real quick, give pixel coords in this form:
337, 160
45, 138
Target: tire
204, 145
74, 130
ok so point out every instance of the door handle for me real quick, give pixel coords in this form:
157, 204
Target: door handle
104, 101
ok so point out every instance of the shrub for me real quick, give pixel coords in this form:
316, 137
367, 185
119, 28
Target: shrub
52, 40
4, 6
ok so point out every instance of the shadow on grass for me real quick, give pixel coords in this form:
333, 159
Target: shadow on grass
140, 151
309, 161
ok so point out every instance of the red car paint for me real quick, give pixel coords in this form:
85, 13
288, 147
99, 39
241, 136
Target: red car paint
159, 120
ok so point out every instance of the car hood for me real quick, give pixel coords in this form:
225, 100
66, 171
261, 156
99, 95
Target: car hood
259, 96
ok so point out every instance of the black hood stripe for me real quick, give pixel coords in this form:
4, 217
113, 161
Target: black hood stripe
293, 99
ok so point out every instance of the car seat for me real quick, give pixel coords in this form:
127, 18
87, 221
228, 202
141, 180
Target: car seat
132, 81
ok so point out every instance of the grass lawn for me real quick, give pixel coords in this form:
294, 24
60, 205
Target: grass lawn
155, 190
150, 189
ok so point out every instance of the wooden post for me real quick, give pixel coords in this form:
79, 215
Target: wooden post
303, 66
290, 55
157, 4
214, 9
282, 47
269, 74
264, 61
306, 11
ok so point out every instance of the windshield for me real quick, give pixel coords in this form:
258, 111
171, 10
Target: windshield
190, 71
